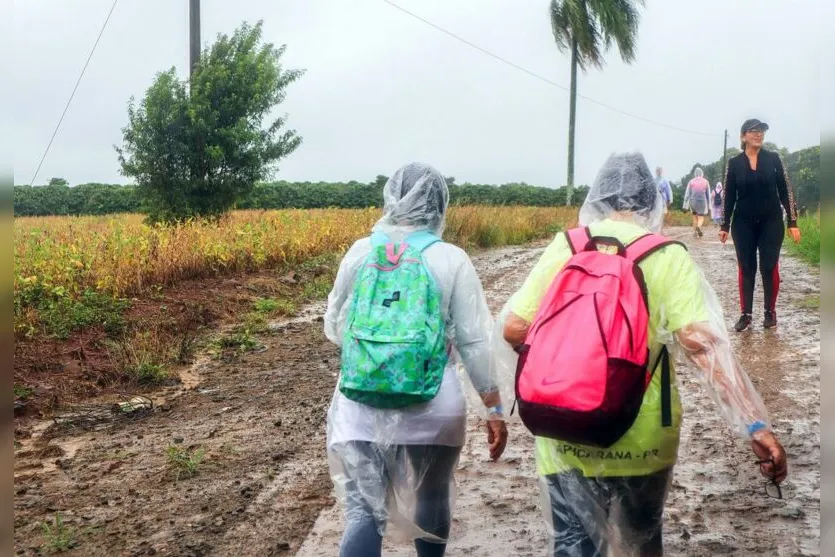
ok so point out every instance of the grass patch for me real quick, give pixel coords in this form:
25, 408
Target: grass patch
809, 248
58, 537
148, 373
184, 462
266, 305
680, 218
272, 306
22, 392
58, 315
318, 288
143, 355
811, 302
241, 338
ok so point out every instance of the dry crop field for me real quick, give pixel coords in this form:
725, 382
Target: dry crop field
104, 302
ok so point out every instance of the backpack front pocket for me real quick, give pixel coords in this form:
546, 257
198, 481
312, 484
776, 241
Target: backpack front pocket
386, 369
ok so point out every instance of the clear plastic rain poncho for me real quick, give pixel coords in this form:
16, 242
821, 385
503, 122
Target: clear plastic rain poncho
602, 499
697, 193
393, 468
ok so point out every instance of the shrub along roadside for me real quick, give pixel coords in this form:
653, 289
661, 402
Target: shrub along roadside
809, 247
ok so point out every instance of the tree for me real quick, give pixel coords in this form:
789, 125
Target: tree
197, 152
58, 182
450, 180
587, 29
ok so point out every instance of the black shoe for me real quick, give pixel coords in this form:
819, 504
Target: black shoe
770, 320
699, 232
744, 323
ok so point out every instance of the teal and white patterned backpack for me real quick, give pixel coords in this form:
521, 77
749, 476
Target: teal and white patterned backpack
394, 346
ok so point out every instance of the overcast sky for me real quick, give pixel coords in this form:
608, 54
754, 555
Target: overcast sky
383, 89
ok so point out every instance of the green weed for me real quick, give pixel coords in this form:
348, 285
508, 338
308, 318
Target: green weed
22, 392
148, 373
266, 305
241, 338
285, 307
60, 315
184, 462
317, 289
58, 537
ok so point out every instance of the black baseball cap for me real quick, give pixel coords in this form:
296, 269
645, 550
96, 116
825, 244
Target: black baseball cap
753, 124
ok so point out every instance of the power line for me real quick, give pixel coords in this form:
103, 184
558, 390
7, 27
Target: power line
540, 77
77, 83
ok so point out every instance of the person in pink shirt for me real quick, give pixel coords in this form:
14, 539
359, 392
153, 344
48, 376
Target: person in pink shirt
697, 200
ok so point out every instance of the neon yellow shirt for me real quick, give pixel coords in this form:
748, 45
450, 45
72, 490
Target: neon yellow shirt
676, 299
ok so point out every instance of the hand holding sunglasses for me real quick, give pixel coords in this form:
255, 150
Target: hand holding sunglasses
772, 456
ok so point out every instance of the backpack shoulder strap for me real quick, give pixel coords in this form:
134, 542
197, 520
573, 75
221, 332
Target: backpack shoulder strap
577, 239
666, 386
648, 244
422, 239
379, 238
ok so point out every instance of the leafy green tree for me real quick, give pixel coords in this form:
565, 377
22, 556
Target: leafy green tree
196, 152
58, 182
587, 29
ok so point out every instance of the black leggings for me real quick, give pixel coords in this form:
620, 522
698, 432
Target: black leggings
766, 237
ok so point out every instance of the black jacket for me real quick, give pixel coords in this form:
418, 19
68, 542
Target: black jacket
753, 196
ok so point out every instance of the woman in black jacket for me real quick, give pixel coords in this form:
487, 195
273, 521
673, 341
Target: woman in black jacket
757, 190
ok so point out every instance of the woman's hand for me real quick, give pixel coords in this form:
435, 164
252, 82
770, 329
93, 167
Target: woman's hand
771, 454
723, 236
496, 437
515, 329
794, 232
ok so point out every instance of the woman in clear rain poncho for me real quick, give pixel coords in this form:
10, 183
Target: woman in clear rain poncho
717, 198
697, 199
595, 500
395, 465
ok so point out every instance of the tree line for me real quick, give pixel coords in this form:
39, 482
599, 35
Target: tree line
58, 198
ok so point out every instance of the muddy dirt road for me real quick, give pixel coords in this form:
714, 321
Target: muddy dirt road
263, 489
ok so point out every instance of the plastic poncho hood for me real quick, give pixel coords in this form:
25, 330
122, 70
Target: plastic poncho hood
624, 186
415, 198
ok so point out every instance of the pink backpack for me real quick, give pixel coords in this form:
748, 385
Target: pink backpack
584, 366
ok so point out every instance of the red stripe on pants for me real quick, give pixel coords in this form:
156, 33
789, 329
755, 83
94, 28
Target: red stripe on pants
741, 291
775, 277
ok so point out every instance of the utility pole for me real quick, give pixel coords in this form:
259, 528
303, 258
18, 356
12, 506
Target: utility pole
194, 34
725, 155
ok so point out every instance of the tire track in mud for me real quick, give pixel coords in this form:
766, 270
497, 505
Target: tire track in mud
717, 503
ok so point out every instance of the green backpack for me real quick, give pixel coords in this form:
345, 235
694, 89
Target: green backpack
394, 346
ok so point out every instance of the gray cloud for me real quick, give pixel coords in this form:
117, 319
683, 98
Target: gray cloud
382, 89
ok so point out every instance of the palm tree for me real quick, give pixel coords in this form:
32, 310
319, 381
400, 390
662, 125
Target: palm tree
587, 29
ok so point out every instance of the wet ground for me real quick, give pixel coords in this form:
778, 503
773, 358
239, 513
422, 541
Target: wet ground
262, 487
